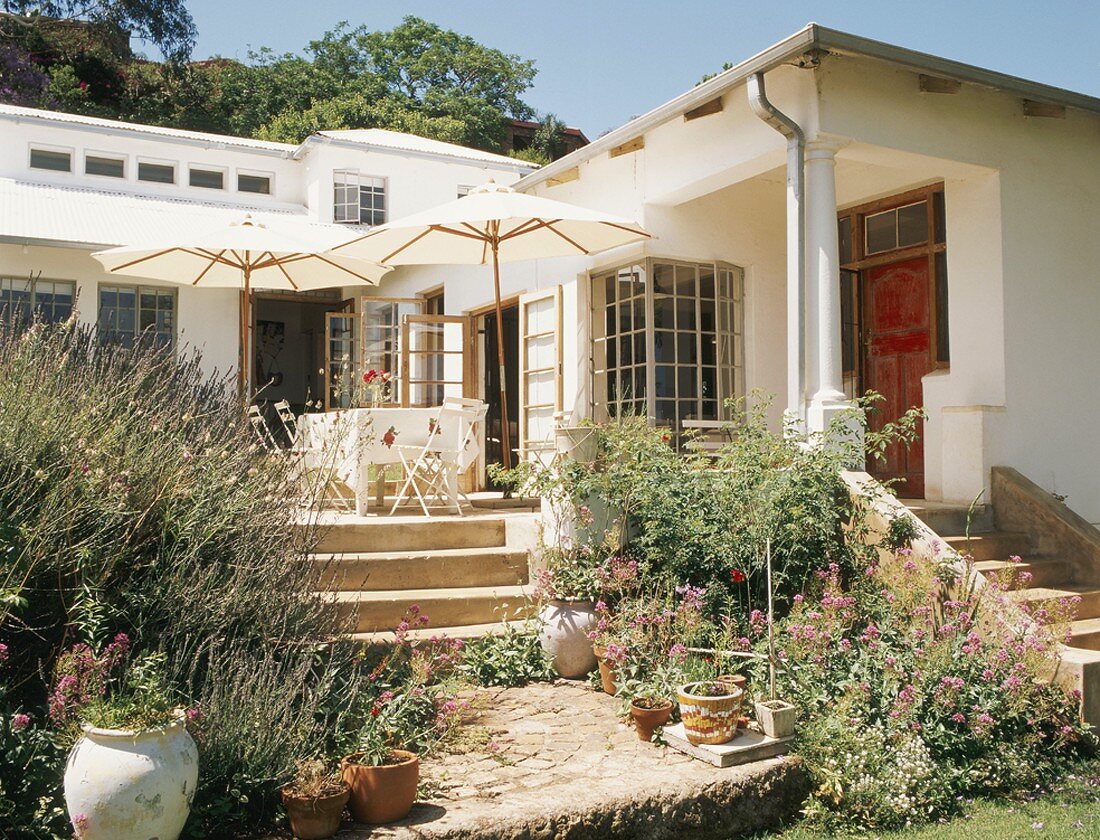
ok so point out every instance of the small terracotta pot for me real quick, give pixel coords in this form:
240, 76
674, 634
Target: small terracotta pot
647, 720
607, 672
739, 682
314, 818
381, 794
709, 719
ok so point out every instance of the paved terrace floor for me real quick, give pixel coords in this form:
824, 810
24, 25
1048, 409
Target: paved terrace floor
554, 761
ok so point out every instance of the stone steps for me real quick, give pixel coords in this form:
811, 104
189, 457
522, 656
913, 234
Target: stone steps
1043, 571
1039, 597
464, 632
1085, 633
951, 519
407, 533
446, 609
991, 545
422, 569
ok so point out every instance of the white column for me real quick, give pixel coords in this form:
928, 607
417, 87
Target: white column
825, 378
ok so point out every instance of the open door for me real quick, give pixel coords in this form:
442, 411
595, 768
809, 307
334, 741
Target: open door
342, 330
383, 325
540, 372
436, 358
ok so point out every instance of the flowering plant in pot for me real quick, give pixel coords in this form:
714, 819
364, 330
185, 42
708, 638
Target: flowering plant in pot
314, 800
131, 744
710, 711
408, 713
377, 385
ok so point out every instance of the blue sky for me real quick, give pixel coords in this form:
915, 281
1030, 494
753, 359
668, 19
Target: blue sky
602, 62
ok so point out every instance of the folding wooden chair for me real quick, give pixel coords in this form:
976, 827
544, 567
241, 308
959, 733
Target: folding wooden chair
432, 471
261, 429
287, 419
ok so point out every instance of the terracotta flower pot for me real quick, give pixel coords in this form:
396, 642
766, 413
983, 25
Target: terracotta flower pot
314, 818
737, 681
381, 794
607, 672
647, 720
709, 718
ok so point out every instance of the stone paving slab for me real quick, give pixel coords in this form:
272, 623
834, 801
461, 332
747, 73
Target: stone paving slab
555, 761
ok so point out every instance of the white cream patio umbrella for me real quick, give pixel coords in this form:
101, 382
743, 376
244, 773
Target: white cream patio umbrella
245, 255
494, 224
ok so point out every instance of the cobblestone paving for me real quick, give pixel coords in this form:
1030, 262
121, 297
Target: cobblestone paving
554, 760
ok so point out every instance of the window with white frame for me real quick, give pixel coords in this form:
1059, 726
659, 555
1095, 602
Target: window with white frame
358, 199
24, 298
668, 341
129, 313
54, 160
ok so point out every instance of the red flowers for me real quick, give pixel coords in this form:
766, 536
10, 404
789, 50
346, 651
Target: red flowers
371, 375
737, 576
390, 436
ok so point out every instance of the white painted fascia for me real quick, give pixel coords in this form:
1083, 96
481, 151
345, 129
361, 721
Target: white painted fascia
321, 139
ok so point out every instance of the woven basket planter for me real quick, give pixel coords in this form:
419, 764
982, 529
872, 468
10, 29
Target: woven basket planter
709, 719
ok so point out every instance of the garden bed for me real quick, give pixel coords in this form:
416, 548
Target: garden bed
555, 760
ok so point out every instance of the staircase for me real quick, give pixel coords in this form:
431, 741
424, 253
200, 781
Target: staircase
460, 572
1048, 578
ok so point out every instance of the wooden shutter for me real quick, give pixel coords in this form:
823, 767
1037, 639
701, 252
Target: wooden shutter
540, 365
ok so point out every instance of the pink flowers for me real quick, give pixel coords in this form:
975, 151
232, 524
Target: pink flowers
3, 653
20, 721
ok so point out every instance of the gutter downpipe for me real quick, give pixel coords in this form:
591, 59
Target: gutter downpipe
796, 244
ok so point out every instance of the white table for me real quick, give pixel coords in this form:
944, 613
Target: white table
364, 437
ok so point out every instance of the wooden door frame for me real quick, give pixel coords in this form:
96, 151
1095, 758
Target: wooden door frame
466, 352
860, 263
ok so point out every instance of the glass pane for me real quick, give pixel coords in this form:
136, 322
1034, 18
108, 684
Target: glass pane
913, 224
639, 381
639, 348
710, 410
685, 281
610, 321
639, 312
844, 227
254, 184
663, 309
609, 283
148, 319
665, 381
709, 349
625, 309
939, 220
881, 232
626, 346
710, 383
664, 347
688, 385
943, 341
107, 167
685, 312
207, 179
54, 161
686, 353
706, 315
148, 300
160, 173
706, 282
662, 280
666, 411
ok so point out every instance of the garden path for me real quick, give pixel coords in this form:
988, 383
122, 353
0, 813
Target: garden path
555, 761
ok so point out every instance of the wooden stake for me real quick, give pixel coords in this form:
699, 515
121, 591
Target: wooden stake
771, 622
505, 443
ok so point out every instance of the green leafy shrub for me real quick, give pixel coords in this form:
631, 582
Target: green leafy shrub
913, 692
133, 500
511, 657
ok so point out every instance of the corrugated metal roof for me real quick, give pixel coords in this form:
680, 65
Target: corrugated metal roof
31, 212
15, 112
384, 139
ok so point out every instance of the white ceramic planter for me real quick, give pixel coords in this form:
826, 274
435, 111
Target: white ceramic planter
564, 636
124, 785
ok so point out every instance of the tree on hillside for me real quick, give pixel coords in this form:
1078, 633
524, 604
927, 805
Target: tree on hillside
164, 23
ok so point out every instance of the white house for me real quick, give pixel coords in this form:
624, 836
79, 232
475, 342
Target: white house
945, 214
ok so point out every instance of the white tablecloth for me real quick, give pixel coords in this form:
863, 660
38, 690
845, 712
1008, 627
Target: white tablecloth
355, 439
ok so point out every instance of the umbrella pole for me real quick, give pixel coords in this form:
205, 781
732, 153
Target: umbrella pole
505, 443
246, 316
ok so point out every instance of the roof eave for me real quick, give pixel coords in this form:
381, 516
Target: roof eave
321, 138
811, 37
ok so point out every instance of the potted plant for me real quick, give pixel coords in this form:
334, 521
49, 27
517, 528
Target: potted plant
133, 746
580, 443
710, 711
314, 800
382, 784
649, 712
777, 718
568, 585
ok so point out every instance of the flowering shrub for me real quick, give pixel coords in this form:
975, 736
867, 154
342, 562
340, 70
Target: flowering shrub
912, 692
407, 704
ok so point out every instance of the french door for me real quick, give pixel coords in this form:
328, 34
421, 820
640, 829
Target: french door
540, 365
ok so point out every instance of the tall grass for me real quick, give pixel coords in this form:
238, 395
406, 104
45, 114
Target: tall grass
133, 498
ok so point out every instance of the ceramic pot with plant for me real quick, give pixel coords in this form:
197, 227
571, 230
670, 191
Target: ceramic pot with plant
566, 625
315, 801
777, 718
133, 748
383, 792
607, 669
710, 711
649, 713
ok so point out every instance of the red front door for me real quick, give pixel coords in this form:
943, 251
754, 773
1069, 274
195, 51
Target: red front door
897, 332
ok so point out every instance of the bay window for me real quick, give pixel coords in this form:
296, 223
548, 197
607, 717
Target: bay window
668, 340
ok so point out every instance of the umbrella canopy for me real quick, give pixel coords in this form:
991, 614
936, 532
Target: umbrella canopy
523, 227
494, 224
245, 255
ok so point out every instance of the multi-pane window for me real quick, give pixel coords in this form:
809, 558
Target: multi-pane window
253, 183
52, 159
901, 227
127, 313
23, 298
668, 340
358, 199
382, 337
